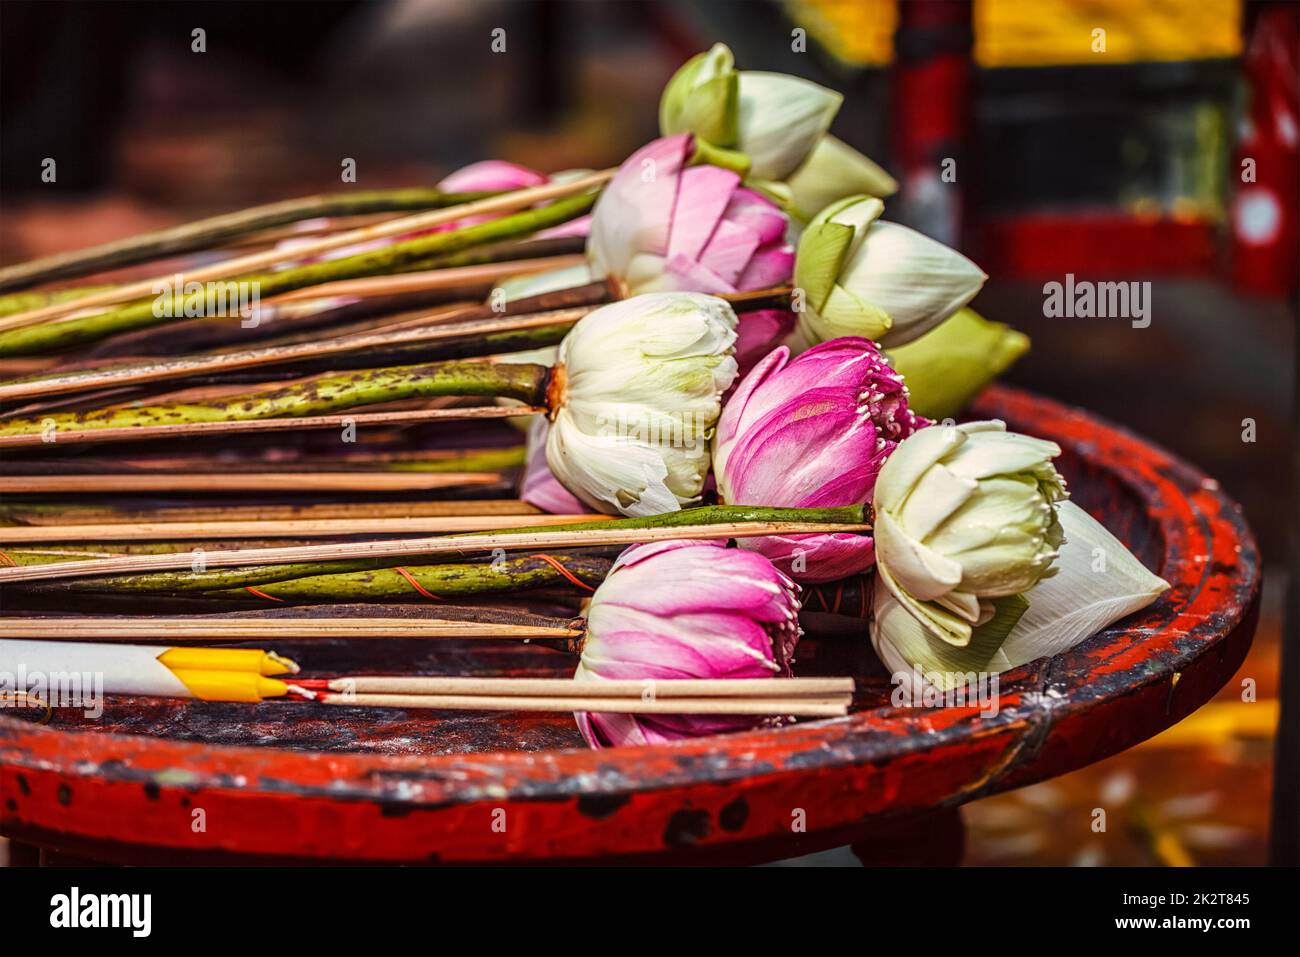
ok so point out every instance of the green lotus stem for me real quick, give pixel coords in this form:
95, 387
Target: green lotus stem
172, 583
179, 576
710, 515
501, 252
523, 381
216, 230
158, 310
39, 299
167, 582
494, 343
493, 460
509, 575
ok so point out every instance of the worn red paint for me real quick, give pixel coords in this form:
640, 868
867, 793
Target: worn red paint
125, 797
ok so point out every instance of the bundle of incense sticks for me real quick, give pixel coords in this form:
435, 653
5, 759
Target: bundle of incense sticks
254, 675
794, 697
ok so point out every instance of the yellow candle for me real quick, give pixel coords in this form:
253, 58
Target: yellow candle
231, 685
227, 659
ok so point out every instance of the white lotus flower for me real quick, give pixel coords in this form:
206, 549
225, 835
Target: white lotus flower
964, 516
780, 119
864, 277
1096, 582
635, 396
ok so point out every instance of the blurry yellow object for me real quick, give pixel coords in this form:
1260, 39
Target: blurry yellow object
1219, 723
1171, 851
859, 33
1053, 32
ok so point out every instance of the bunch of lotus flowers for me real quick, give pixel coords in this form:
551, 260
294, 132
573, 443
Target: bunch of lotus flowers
969, 520
666, 396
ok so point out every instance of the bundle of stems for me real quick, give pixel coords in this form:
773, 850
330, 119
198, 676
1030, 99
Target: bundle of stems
713, 522
475, 330
29, 332
577, 570
216, 230
284, 320
290, 528
500, 332
15, 513
565, 574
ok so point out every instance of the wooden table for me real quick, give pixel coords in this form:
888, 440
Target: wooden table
176, 781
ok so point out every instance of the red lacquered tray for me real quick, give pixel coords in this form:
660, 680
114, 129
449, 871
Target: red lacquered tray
176, 781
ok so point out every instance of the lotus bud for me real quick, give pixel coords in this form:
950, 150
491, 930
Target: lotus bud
499, 175
685, 609
833, 171
703, 98
635, 397
952, 363
661, 225
488, 175
774, 120
1079, 599
965, 521
812, 432
882, 281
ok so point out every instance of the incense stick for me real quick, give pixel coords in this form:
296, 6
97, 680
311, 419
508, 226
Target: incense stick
182, 628
795, 707
244, 482
50, 516
141, 432
292, 528
629, 534
568, 687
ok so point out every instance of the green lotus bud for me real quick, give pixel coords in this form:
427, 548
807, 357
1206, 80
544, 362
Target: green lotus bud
833, 171
773, 119
702, 98
950, 364
864, 277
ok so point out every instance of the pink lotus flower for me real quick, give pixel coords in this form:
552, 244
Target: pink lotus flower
812, 432
492, 175
661, 225
685, 609
485, 176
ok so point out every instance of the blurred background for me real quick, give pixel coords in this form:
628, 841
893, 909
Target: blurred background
1168, 156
